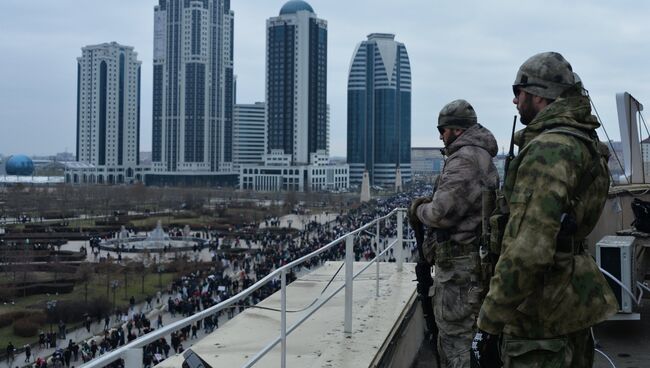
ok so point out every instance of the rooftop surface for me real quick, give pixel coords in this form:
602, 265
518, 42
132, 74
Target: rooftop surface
320, 340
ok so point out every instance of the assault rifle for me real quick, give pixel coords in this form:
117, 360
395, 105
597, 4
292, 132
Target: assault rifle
511, 152
425, 281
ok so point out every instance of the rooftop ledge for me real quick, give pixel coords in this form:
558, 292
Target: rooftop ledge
320, 340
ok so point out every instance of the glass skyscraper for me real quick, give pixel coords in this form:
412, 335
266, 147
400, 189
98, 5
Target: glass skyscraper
296, 82
379, 111
193, 92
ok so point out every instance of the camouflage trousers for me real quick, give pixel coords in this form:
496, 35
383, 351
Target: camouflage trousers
575, 350
456, 303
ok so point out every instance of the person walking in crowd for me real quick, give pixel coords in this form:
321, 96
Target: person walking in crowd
232, 273
28, 353
11, 350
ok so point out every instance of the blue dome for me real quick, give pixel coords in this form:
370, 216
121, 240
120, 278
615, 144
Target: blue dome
294, 6
19, 165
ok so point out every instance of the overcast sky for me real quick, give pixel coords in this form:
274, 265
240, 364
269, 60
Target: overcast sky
457, 49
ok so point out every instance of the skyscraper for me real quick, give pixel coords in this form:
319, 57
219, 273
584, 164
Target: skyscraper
193, 92
296, 82
108, 111
379, 111
297, 149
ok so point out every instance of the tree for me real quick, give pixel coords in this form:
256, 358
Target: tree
85, 273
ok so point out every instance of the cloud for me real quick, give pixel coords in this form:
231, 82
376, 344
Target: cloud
458, 49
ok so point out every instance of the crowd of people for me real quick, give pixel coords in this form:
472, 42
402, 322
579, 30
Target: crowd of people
236, 270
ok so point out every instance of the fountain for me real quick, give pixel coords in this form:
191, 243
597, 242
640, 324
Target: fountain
155, 241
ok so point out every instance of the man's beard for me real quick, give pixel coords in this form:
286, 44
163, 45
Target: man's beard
527, 112
452, 138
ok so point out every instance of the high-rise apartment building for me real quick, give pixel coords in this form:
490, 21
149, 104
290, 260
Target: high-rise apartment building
297, 147
108, 113
379, 111
296, 82
193, 91
249, 133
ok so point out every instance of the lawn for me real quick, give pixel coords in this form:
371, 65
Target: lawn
96, 288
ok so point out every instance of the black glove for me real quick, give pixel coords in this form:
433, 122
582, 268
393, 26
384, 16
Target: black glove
423, 276
485, 351
412, 213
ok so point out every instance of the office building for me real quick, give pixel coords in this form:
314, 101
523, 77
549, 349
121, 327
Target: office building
426, 162
379, 111
296, 82
193, 93
297, 148
249, 134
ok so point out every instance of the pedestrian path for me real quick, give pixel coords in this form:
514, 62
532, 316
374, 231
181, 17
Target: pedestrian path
97, 328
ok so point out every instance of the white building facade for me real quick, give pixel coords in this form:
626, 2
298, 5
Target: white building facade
249, 134
426, 162
277, 174
108, 114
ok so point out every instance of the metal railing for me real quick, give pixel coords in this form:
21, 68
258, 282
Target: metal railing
132, 352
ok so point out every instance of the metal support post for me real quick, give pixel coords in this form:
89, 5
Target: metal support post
400, 240
349, 263
377, 258
283, 317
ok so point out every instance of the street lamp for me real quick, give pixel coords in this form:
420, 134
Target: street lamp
161, 269
114, 286
51, 306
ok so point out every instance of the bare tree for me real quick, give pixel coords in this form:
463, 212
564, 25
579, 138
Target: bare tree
85, 273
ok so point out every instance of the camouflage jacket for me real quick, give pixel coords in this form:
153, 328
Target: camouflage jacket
456, 204
539, 290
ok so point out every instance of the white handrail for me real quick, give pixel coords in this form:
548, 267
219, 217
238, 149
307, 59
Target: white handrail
152, 336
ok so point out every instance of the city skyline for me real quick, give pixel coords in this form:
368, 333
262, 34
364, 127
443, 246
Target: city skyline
456, 51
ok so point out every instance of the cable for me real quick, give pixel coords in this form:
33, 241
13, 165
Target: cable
296, 310
643, 286
609, 140
606, 357
638, 108
620, 284
593, 337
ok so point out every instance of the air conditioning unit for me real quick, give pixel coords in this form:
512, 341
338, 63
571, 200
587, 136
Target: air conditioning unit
193, 361
615, 254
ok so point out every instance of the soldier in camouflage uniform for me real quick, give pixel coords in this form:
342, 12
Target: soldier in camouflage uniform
454, 212
547, 291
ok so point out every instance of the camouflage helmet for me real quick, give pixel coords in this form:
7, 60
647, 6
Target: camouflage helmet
547, 75
457, 114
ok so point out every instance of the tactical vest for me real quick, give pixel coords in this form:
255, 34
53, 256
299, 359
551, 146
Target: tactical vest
572, 293
492, 240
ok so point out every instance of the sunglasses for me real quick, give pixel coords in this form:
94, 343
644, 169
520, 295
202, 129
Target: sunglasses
518, 86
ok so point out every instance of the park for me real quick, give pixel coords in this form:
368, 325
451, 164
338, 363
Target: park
73, 254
